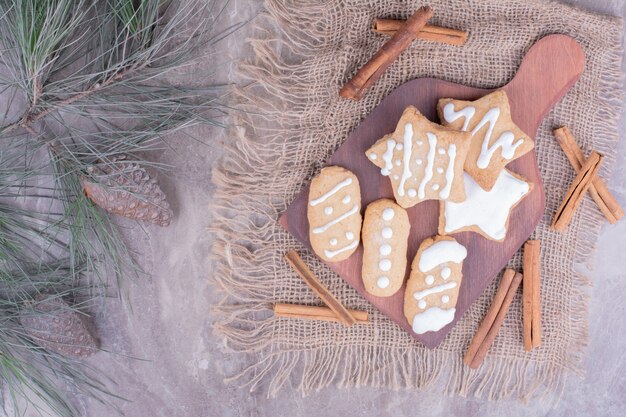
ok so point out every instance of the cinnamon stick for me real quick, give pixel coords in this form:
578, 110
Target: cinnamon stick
576, 192
428, 32
378, 64
490, 317
598, 190
532, 273
493, 331
296, 262
527, 311
297, 311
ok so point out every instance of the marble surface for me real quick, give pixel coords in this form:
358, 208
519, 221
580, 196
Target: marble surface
167, 362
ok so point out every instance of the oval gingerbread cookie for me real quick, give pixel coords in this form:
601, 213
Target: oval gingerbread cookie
385, 237
334, 213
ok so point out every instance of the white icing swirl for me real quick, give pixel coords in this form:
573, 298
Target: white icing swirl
505, 141
449, 115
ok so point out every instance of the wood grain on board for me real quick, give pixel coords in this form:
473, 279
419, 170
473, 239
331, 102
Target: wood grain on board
547, 72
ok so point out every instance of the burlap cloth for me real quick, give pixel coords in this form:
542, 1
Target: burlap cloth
294, 119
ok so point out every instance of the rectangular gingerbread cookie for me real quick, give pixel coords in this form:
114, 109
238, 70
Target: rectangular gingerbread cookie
433, 286
385, 240
423, 160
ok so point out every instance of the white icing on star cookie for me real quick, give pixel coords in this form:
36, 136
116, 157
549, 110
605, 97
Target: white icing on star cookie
485, 212
495, 139
423, 160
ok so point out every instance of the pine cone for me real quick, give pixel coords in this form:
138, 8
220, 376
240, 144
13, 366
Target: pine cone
126, 189
54, 326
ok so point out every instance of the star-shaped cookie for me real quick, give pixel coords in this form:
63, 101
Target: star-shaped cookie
423, 160
484, 212
496, 140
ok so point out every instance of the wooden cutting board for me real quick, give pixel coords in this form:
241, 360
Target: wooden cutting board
548, 71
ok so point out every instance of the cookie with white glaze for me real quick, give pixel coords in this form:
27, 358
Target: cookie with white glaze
334, 213
496, 140
423, 160
433, 286
485, 212
385, 238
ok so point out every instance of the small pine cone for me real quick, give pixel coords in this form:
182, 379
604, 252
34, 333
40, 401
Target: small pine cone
126, 189
54, 326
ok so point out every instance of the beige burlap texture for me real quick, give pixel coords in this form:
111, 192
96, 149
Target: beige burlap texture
293, 119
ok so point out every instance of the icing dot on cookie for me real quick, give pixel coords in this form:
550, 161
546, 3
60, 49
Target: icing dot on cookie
346, 199
387, 233
411, 192
430, 279
440, 170
419, 142
373, 156
445, 273
422, 304
435, 187
328, 210
441, 151
349, 235
399, 146
445, 299
396, 177
418, 161
333, 241
383, 282
398, 162
385, 249
388, 214
384, 265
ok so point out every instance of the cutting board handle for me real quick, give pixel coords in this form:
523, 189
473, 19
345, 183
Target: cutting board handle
552, 65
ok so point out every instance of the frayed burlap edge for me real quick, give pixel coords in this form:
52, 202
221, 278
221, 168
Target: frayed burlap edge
248, 202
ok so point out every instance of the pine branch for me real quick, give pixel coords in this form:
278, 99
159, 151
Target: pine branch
33, 116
